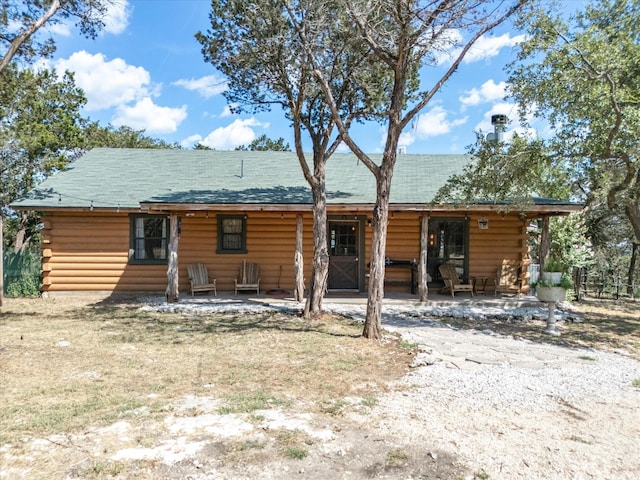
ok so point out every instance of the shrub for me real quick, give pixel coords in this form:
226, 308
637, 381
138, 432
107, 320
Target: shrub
553, 264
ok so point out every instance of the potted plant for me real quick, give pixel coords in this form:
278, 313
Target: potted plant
548, 290
552, 270
552, 292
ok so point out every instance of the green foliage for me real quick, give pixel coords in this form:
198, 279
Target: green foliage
507, 173
264, 143
22, 274
17, 17
565, 282
581, 74
39, 127
570, 242
408, 345
95, 136
296, 453
554, 264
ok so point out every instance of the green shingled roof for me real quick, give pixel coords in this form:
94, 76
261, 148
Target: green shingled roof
125, 178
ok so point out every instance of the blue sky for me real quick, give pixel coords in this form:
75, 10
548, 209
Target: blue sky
146, 71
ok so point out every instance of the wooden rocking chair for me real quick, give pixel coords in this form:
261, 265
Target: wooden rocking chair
200, 280
248, 277
452, 282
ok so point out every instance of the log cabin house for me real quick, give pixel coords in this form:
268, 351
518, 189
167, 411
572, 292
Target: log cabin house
107, 221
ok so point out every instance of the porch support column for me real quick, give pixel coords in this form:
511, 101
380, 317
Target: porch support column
423, 289
545, 242
172, 294
298, 262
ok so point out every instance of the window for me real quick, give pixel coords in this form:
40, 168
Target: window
232, 234
148, 239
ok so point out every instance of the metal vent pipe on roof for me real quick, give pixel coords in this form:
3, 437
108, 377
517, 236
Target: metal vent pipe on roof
499, 123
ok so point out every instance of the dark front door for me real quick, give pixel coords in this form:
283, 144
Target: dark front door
343, 255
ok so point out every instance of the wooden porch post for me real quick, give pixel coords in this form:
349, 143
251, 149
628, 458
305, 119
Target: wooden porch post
172, 295
298, 262
545, 242
423, 289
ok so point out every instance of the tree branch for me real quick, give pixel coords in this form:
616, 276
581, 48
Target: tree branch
24, 36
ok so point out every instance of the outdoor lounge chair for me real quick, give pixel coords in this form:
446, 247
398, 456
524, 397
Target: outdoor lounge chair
200, 280
452, 282
508, 278
248, 277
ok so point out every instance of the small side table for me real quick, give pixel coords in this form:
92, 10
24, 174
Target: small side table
479, 284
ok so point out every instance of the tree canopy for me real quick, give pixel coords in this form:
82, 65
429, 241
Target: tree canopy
40, 125
264, 143
582, 76
20, 21
404, 38
257, 47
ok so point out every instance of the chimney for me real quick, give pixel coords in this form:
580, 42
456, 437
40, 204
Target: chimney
499, 123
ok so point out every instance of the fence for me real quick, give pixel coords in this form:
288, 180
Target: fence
595, 284
21, 272
616, 286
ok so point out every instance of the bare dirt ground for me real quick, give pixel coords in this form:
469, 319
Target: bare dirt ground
572, 413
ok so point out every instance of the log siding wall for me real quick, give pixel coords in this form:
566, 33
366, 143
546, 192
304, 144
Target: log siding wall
89, 251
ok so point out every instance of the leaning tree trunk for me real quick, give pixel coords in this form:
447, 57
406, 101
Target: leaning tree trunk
320, 266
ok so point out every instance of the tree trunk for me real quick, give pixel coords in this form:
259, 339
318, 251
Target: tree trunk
172, 295
298, 262
373, 321
545, 242
633, 214
25, 232
1, 260
320, 266
635, 248
423, 289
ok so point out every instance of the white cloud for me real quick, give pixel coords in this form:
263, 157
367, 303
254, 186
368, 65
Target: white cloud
116, 18
226, 112
446, 47
190, 141
106, 83
207, 86
62, 28
145, 115
485, 47
406, 139
239, 132
489, 46
488, 92
435, 122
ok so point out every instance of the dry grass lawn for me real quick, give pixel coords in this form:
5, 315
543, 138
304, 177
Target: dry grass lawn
71, 365
68, 364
